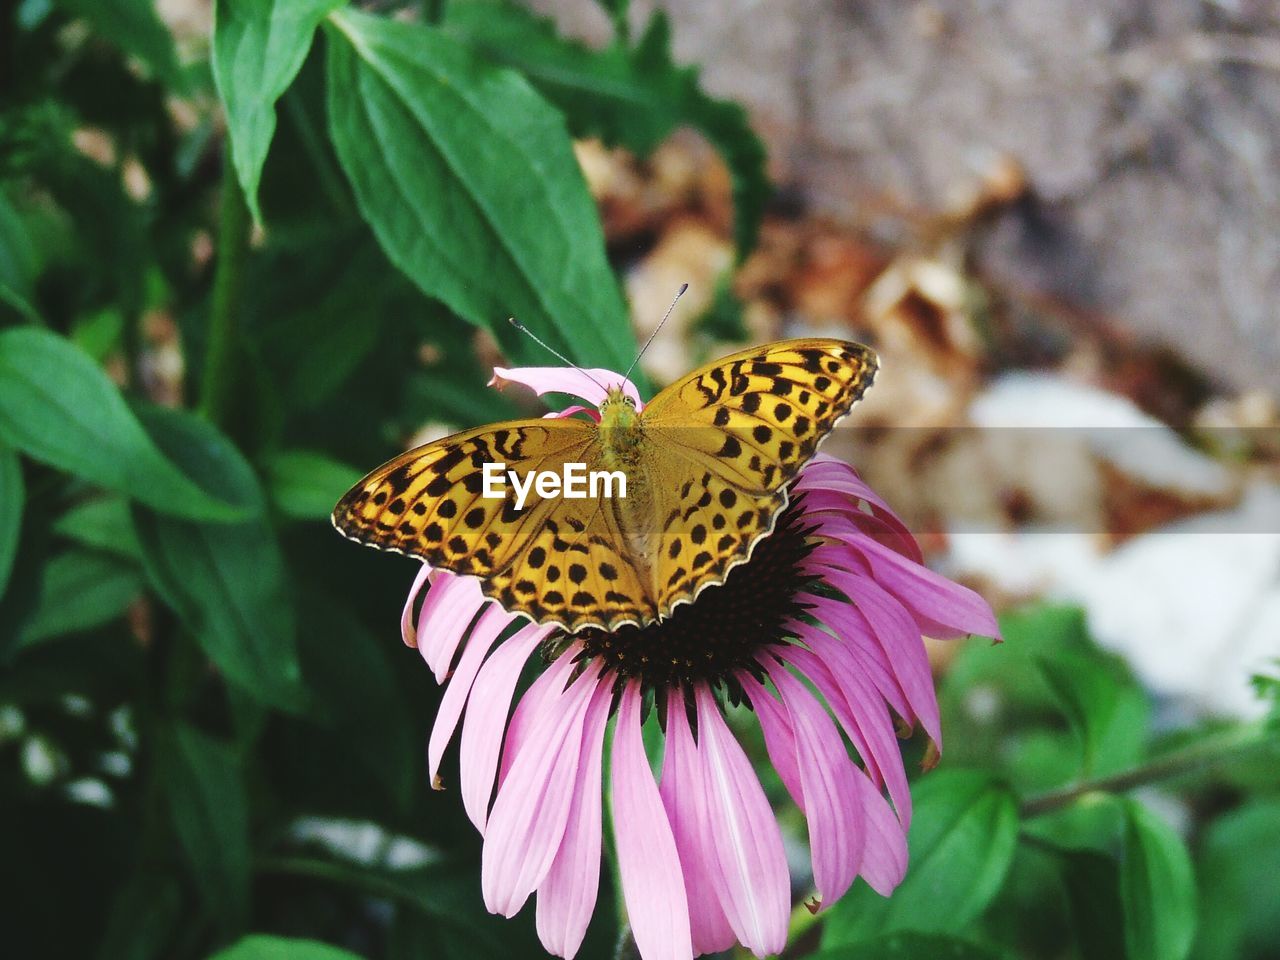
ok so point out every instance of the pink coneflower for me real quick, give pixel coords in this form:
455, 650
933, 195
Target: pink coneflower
819, 633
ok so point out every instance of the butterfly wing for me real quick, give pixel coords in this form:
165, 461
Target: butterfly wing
541, 561
735, 433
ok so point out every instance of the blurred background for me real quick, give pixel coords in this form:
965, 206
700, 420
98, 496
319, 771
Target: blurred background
1059, 225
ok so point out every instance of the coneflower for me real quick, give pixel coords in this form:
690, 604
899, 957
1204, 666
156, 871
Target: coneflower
820, 633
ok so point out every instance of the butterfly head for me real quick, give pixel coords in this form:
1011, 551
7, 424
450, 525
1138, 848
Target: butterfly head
619, 421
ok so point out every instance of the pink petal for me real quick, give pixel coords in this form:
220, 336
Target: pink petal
532, 807
483, 636
451, 604
407, 631
942, 608
543, 691
825, 473
862, 714
579, 383
570, 411
884, 859
779, 741
856, 641
900, 644
836, 830
648, 864
567, 897
482, 728
682, 797
752, 879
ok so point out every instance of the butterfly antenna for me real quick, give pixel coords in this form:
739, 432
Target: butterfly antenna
553, 351
665, 317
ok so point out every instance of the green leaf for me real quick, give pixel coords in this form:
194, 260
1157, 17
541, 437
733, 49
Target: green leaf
18, 262
1092, 881
103, 523
144, 915
1095, 702
225, 581
305, 485
910, 946
628, 96
262, 947
81, 589
1238, 865
963, 834
134, 27
1157, 887
11, 501
58, 407
258, 48
356, 694
206, 794
469, 181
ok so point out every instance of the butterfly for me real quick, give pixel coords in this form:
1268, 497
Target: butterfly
707, 464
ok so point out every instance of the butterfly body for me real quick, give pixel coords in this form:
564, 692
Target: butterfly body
707, 464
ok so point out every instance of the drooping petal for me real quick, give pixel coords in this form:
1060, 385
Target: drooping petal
589, 384
649, 866
900, 645
407, 631
941, 607
451, 604
884, 858
546, 689
863, 716
482, 638
779, 740
857, 642
682, 797
827, 474
487, 718
570, 411
531, 810
567, 896
836, 829
750, 873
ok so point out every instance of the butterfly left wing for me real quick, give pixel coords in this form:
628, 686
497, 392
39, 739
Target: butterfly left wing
542, 561
737, 431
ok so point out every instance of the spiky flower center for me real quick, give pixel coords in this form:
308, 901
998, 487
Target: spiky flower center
721, 631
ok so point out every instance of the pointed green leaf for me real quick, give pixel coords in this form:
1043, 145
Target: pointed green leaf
1157, 886
58, 407
226, 582
262, 947
81, 589
469, 181
258, 48
11, 503
306, 485
628, 96
210, 811
963, 832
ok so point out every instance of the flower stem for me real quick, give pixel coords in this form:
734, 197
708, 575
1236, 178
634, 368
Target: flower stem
218, 388
1197, 756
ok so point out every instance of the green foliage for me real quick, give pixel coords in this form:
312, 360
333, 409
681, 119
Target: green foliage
59, 408
469, 182
258, 49
962, 838
227, 583
281, 948
627, 95
203, 693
